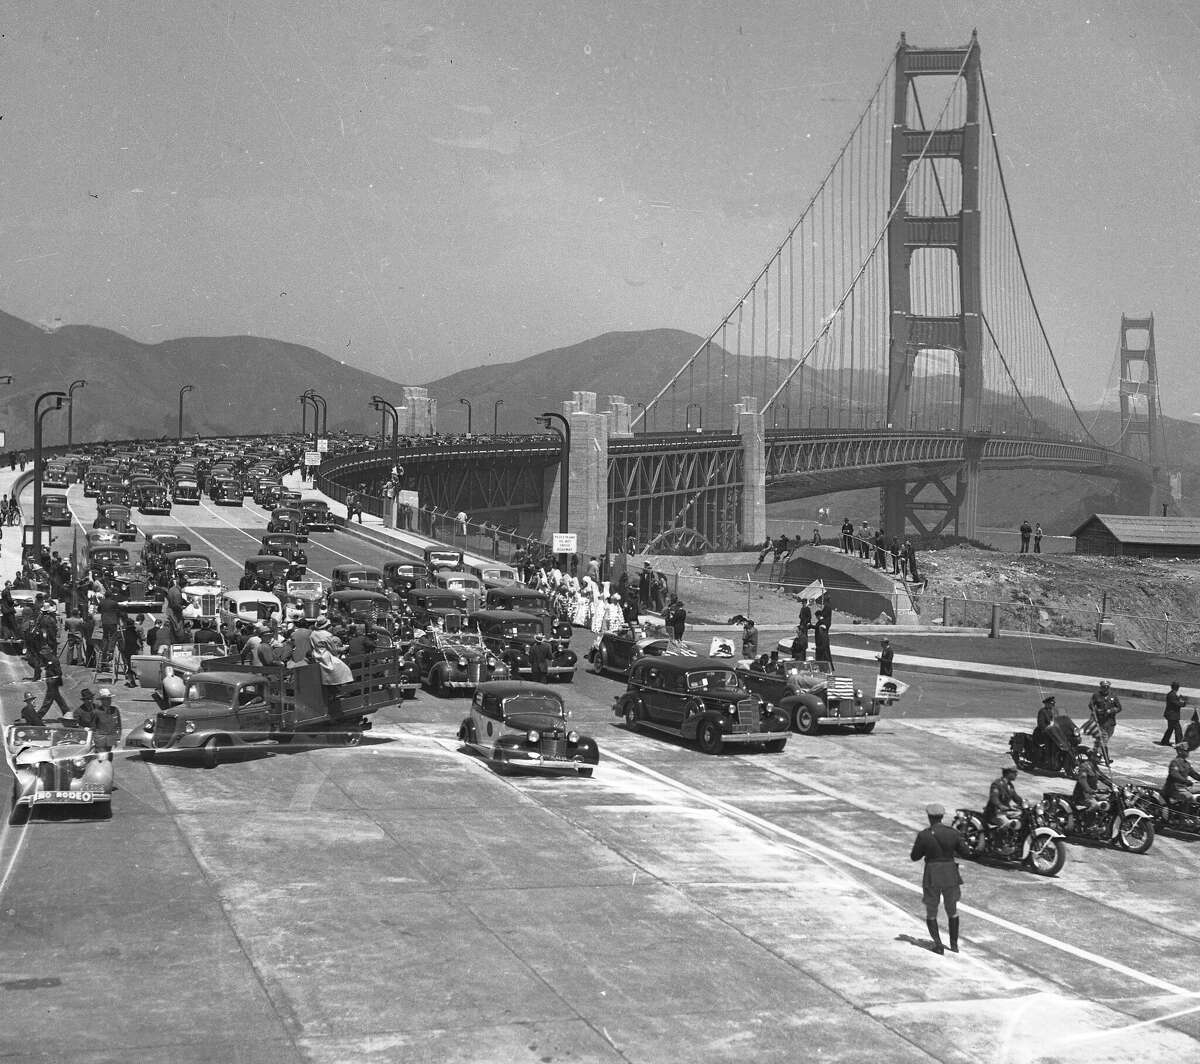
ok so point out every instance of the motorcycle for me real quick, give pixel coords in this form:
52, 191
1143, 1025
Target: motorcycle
1170, 815
1056, 751
1031, 842
1119, 821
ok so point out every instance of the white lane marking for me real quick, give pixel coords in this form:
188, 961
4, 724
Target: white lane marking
252, 538
819, 849
314, 543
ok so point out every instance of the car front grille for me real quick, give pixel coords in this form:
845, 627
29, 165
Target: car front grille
747, 714
553, 748
164, 729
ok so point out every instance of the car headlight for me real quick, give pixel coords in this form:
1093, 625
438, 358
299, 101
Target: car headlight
462, 663
534, 735
572, 737
189, 726
858, 694
80, 763
491, 662
148, 724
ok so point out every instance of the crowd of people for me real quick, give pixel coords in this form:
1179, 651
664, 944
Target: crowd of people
882, 552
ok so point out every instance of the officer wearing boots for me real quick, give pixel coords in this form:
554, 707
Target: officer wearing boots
939, 844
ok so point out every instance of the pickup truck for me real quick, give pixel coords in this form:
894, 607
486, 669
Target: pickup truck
228, 705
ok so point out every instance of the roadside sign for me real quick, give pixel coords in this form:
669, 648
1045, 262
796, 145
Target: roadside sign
323, 446
312, 458
405, 497
565, 543
3, 439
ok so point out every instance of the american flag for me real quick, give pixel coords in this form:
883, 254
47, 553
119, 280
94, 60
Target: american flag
1091, 728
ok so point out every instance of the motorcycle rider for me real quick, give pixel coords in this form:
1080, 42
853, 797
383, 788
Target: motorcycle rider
1104, 707
1091, 790
1041, 730
1178, 788
1004, 804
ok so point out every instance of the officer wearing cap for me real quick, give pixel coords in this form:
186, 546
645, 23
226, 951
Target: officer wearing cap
1175, 703
1004, 804
85, 715
1178, 788
1041, 730
939, 844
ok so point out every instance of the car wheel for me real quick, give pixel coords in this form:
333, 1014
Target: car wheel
708, 737
806, 720
437, 685
467, 732
600, 661
210, 752
865, 729
775, 746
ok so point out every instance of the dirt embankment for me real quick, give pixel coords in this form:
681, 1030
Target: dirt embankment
1153, 605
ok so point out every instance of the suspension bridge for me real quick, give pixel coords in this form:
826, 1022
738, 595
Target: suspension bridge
892, 339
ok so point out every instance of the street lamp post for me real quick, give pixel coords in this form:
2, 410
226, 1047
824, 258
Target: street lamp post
323, 428
699, 416
564, 467
467, 404
38, 414
496, 416
182, 391
71, 409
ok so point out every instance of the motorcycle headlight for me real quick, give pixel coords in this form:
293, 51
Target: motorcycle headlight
534, 735
189, 726
572, 737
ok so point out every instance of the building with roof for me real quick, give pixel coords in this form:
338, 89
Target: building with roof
1139, 537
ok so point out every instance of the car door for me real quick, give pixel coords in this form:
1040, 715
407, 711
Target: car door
253, 712
675, 699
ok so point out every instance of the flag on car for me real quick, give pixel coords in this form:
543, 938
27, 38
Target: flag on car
888, 688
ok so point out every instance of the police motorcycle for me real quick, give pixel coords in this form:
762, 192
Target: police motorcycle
1031, 842
1119, 821
1056, 751
1175, 816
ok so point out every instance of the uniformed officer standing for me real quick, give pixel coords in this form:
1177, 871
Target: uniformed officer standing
539, 659
938, 844
108, 722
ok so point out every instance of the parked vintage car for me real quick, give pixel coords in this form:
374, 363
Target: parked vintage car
56, 475
288, 519
510, 635
403, 577
225, 491
359, 605
105, 558
249, 607
700, 699
153, 499
186, 490
304, 599
56, 765
117, 517
442, 558
269, 572
188, 566
266, 492
454, 661
356, 577
227, 706
814, 696
286, 545
529, 600
494, 574
55, 510
616, 651
317, 517
436, 605
158, 545
521, 726
460, 580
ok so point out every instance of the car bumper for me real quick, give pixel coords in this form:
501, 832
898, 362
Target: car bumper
753, 737
80, 797
857, 718
532, 761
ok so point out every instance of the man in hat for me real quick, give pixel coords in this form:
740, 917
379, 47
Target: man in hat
886, 656
1178, 788
644, 582
939, 844
1041, 730
1004, 804
108, 721
86, 715
1175, 703
539, 659
29, 711
52, 668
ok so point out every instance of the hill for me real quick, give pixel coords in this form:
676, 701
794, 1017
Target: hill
242, 384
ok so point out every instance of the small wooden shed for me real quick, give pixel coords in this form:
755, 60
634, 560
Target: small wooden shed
1139, 537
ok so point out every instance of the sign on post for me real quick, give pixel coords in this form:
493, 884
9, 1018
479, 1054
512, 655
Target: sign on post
312, 458
565, 542
405, 497
323, 446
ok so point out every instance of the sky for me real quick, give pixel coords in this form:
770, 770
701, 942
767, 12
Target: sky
417, 188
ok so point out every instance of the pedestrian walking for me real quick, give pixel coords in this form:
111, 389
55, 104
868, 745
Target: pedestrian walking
938, 845
885, 657
539, 659
52, 669
1175, 703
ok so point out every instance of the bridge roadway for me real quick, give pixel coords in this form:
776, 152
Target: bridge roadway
398, 901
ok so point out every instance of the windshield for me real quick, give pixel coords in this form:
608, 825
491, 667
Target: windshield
196, 561
713, 680
534, 704
467, 640
209, 690
529, 627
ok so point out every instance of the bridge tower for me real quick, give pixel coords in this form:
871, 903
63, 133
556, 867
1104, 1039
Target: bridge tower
955, 502
1140, 433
